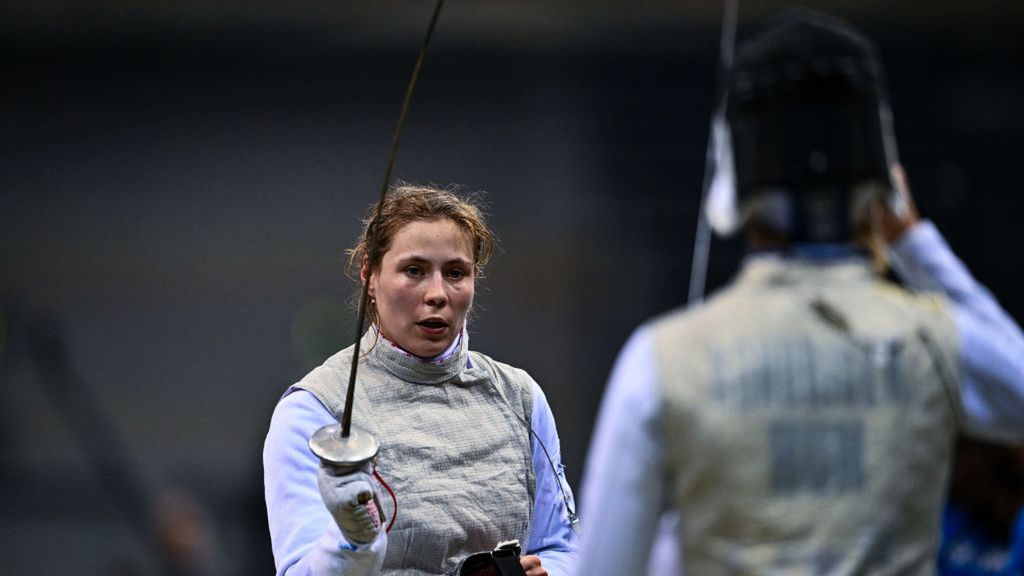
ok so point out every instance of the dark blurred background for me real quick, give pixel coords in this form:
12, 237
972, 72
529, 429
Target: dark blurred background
178, 182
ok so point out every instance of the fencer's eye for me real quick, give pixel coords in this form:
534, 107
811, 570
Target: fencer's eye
414, 271
456, 273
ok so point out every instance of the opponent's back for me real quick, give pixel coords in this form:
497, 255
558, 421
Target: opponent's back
809, 412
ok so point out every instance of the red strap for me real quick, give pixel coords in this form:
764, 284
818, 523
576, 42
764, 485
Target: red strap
394, 499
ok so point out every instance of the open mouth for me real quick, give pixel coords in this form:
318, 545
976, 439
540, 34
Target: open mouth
433, 324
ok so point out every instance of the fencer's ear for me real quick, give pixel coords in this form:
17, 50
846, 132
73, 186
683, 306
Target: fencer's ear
366, 276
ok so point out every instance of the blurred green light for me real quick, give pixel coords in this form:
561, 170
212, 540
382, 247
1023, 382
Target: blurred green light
321, 328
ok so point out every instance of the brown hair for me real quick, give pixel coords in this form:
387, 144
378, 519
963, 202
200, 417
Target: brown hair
405, 203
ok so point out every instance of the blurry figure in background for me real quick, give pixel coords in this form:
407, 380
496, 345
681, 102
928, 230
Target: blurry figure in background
983, 525
187, 536
185, 540
801, 421
463, 438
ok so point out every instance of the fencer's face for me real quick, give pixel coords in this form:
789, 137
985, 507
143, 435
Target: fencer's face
424, 286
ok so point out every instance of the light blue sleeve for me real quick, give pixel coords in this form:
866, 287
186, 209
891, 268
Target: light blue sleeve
625, 476
991, 343
552, 537
305, 539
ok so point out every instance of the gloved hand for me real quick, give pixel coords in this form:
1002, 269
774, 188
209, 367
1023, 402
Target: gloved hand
353, 500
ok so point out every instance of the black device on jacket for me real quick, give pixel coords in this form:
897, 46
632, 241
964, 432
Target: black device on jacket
502, 561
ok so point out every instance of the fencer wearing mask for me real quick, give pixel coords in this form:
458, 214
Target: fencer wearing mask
801, 420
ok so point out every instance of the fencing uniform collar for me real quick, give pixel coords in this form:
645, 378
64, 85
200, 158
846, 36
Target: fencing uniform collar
775, 267
410, 368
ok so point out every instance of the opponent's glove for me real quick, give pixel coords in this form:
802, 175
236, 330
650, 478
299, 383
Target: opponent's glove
353, 501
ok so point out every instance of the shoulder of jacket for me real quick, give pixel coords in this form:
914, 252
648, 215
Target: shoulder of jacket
681, 319
502, 370
924, 301
327, 375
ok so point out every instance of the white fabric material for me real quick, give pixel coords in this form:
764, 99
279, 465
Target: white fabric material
624, 482
809, 407
453, 442
721, 206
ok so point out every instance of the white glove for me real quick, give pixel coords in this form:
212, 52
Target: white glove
353, 501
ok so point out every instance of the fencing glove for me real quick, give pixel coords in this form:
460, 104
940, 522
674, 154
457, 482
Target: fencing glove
353, 500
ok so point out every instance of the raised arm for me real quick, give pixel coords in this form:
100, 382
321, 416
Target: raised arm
305, 538
991, 342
